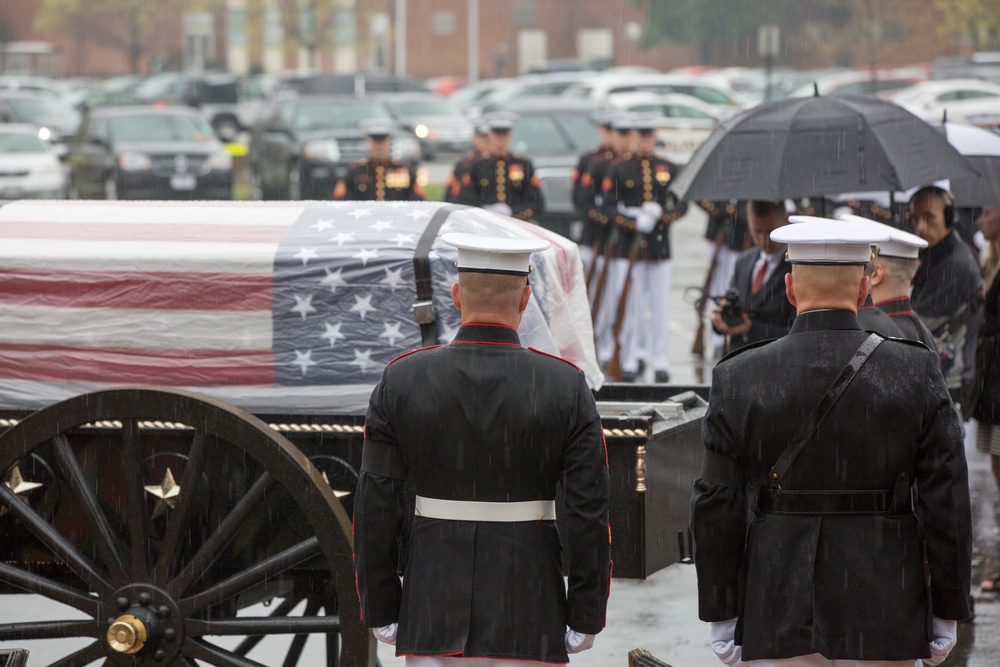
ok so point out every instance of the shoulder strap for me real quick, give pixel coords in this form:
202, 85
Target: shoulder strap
812, 423
423, 307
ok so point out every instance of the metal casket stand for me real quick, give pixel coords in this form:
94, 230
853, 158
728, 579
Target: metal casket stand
653, 435
15, 657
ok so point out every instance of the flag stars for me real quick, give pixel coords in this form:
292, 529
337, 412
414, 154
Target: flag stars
381, 225
333, 279
362, 305
418, 214
303, 360
393, 278
359, 213
342, 237
322, 225
392, 332
364, 255
363, 359
305, 254
332, 333
303, 305
403, 239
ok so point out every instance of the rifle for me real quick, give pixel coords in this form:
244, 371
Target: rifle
602, 279
615, 365
698, 348
593, 263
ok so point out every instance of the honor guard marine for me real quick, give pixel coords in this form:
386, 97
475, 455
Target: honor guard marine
480, 149
587, 196
379, 177
503, 182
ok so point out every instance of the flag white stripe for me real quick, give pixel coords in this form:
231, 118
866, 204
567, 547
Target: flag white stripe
154, 213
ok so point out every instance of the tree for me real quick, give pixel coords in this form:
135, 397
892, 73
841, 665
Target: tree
128, 26
978, 20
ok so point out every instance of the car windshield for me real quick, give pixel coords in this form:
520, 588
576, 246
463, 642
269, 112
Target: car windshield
40, 108
539, 135
580, 127
20, 143
426, 108
336, 115
160, 127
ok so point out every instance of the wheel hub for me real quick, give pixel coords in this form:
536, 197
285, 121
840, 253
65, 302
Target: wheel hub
149, 623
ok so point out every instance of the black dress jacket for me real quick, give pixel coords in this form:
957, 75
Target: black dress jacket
771, 314
633, 181
587, 197
903, 315
850, 586
986, 399
484, 419
503, 179
379, 180
872, 319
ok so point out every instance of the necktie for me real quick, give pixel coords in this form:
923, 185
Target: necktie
758, 278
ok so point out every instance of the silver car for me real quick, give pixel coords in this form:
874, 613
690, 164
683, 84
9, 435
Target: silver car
29, 166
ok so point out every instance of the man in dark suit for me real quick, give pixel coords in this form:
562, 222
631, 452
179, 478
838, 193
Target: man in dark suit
759, 277
810, 545
485, 429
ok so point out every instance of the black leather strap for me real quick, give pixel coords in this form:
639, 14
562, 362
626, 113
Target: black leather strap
379, 458
722, 470
805, 433
773, 501
423, 308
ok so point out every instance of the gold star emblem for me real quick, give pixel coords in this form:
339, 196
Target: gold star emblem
15, 482
337, 493
166, 494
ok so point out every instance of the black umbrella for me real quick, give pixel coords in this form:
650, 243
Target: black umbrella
981, 149
811, 146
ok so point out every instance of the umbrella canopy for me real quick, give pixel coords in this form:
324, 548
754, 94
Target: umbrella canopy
816, 145
981, 149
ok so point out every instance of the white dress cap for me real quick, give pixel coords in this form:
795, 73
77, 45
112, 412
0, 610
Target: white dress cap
900, 244
823, 241
494, 254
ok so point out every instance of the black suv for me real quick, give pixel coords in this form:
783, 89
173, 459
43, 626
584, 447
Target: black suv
302, 146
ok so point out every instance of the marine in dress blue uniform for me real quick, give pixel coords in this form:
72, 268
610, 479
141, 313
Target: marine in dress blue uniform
828, 558
379, 177
485, 429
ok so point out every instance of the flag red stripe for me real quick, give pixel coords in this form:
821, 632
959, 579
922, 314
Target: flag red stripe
180, 233
126, 366
163, 290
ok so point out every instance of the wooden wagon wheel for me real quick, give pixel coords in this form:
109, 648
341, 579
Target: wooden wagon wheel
159, 568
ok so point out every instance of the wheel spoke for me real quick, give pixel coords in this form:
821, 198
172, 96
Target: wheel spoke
262, 625
178, 519
34, 583
132, 453
255, 574
214, 655
212, 548
15, 632
55, 542
84, 656
299, 641
283, 609
106, 540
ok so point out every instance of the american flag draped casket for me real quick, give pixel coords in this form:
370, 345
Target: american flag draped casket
285, 307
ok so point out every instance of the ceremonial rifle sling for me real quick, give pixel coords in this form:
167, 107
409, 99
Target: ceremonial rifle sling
423, 307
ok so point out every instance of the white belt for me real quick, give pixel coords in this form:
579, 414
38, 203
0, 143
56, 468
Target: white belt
461, 510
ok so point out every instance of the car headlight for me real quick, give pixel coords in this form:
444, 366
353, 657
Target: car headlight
221, 160
421, 131
322, 149
45, 134
132, 161
405, 148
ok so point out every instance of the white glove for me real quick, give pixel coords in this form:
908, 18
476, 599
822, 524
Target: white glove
630, 211
500, 207
644, 223
945, 635
724, 644
598, 200
577, 641
387, 633
653, 209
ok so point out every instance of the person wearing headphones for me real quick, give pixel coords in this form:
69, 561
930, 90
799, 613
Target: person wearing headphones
948, 286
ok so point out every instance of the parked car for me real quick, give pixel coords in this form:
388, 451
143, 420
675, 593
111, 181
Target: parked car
930, 98
357, 84
34, 84
56, 120
148, 153
599, 88
115, 91
859, 82
684, 125
436, 123
302, 146
554, 132
29, 166
229, 103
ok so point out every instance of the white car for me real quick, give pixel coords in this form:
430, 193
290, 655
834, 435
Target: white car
930, 98
685, 121
983, 112
29, 166
600, 88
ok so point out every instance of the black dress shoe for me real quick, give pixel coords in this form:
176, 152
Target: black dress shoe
629, 376
662, 377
